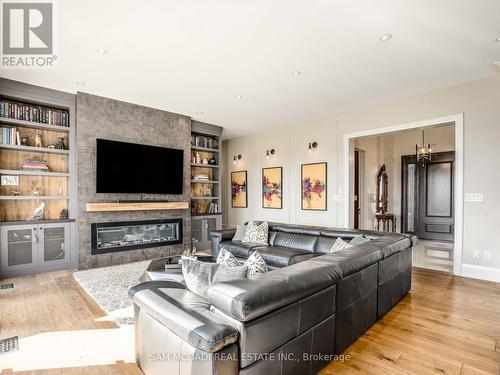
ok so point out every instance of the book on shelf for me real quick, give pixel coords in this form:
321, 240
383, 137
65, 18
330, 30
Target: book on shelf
201, 177
9, 136
33, 113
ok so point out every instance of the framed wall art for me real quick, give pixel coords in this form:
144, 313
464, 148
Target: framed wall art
272, 185
314, 186
239, 194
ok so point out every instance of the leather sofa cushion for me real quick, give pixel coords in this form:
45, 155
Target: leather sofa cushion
239, 249
294, 241
296, 229
324, 244
247, 299
392, 243
348, 234
352, 259
278, 256
188, 316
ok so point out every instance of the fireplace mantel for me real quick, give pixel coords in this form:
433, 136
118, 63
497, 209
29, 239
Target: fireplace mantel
136, 206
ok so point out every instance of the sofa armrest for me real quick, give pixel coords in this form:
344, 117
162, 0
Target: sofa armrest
218, 236
188, 316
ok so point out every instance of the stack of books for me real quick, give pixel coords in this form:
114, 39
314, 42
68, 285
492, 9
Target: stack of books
35, 165
201, 177
28, 112
213, 208
10, 136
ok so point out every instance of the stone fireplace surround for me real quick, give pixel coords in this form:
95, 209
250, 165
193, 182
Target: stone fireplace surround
99, 117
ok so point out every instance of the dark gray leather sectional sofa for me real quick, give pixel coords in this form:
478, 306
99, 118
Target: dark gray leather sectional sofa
291, 320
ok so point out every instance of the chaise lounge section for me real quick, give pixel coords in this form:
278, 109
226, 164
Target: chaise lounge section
312, 305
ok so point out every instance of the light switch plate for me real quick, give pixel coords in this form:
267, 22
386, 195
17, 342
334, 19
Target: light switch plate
487, 254
476, 253
474, 197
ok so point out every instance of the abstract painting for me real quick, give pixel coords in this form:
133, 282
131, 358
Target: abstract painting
313, 180
239, 189
272, 180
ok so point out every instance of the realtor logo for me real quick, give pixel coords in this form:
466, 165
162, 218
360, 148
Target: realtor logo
27, 35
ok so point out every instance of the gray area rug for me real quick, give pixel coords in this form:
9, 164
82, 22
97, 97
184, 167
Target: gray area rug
109, 286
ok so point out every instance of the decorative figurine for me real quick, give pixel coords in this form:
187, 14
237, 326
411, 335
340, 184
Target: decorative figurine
205, 161
38, 140
60, 144
15, 193
24, 141
212, 161
38, 213
64, 214
35, 189
198, 158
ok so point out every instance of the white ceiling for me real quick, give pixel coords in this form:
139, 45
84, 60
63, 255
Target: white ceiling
195, 56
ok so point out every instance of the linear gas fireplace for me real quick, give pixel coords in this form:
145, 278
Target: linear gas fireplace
129, 235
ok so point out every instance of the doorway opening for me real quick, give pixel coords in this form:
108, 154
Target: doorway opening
421, 197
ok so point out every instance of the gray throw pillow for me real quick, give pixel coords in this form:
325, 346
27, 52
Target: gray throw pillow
359, 240
199, 276
240, 233
257, 233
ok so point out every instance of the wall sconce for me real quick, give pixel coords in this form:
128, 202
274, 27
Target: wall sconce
236, 158
312, 146
269, 153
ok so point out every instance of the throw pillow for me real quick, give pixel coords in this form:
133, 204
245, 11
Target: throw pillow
359, 240
199, 276
257, 233
240, 233
339, 244
256, 264
227, 258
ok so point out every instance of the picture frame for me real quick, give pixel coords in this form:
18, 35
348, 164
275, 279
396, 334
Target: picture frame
314, 186
239, 190
272, 188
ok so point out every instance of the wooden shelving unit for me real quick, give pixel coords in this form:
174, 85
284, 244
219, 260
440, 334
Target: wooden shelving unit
57, 185
206, 143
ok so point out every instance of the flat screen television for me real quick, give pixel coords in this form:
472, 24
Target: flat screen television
133, 168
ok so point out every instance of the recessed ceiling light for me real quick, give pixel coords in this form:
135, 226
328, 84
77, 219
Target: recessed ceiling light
497, 39
80, 83
296, 73
497, 63
101, 50
200, 113
239, 96
386, 37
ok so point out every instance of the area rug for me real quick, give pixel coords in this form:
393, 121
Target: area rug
108, 287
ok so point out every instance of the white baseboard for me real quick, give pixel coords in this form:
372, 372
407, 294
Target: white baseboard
481, 272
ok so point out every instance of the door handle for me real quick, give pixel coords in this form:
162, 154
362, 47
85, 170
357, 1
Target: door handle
35, 235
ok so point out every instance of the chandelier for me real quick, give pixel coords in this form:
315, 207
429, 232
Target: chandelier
423, 152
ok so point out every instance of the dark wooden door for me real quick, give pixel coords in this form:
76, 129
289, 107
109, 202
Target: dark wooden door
436, 216
428, 201
356, 189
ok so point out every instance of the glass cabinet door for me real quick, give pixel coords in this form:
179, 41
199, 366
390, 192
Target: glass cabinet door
18, 247
197, 230
53, 244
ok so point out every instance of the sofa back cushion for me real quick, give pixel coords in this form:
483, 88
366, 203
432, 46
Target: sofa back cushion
294, 241
247, 299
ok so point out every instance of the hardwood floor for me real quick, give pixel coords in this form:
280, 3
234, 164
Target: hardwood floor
447, 325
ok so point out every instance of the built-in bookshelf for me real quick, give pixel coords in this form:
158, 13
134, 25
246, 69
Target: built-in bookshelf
206, 209
36, 156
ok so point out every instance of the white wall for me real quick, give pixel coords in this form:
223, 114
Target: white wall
479, 100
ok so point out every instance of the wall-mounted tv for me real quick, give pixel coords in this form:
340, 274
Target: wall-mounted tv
133, 168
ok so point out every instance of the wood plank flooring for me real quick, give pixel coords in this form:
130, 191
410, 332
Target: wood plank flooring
447, 325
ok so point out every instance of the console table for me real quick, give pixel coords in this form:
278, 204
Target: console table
388, 222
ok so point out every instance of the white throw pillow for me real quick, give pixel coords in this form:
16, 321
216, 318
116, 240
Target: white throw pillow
339, 244
256, 264
360, 239
257, 233
227, 258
